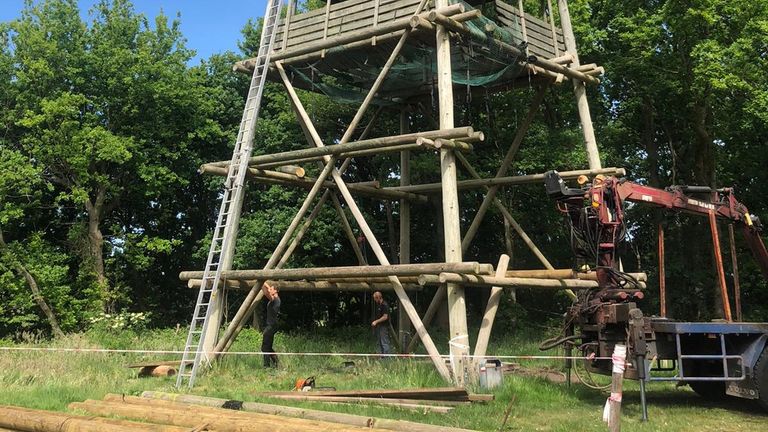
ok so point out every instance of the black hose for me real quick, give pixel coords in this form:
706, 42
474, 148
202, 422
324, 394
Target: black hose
553, 342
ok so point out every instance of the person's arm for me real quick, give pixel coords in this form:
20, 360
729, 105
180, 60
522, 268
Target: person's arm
384, 317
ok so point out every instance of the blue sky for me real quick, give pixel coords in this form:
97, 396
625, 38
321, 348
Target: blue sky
209, 26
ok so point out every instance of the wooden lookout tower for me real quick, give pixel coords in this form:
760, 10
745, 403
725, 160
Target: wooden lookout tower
393, 55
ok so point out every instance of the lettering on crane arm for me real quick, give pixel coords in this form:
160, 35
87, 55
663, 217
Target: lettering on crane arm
701, 204
647, 198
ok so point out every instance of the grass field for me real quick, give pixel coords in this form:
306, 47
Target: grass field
51, 380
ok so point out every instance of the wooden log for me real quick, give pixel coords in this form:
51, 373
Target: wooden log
432, 188
612, 412
220, 420
24, 419
350, 271
273, 177
459, 339
421, 408
474, 280
157, 371
348, 419
345, 147
453, 144
563, 59
301, 286
484, 334
565, 274
430, 280
404, 251
292, 169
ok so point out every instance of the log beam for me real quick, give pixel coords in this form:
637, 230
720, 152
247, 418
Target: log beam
346, 147
350, 271
274, 177
301, 286
433, 188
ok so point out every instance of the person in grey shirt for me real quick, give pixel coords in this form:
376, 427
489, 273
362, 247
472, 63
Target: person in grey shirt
380, 324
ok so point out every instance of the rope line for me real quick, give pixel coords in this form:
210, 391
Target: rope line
299, 354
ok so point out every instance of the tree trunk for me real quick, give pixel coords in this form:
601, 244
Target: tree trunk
391, 232
36, 294
650, 143
96, 245
704, 163
704, 174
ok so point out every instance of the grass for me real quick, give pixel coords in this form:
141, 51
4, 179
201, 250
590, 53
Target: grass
51, 380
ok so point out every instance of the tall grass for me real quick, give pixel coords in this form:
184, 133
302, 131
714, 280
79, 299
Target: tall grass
51, 380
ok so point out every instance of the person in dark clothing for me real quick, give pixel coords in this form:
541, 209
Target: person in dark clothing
380, 324
273, 311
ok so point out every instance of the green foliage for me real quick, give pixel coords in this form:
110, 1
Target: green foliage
18, 311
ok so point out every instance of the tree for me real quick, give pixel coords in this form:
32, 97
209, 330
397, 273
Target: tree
108, 111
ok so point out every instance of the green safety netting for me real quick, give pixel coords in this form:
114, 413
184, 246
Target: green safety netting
346, 75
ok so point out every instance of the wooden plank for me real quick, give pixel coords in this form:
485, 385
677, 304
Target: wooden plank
479, 397
338, 28
437, 393
540, 48
153, 363
349, 19
310, 396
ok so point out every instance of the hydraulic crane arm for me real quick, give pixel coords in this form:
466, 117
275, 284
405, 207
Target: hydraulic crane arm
722, 202
606, 196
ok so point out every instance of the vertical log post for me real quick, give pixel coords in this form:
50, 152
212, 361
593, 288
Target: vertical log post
403, 324
735, 264
612, 409
484, 335
459, 339
662, 275
719, 266
579, 89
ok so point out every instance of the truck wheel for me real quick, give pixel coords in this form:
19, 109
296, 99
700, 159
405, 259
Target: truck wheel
710, 390
761, 378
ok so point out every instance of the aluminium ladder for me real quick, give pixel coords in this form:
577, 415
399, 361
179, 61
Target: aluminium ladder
222, 247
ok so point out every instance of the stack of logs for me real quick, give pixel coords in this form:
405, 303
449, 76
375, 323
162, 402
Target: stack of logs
160, 412
412, 276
